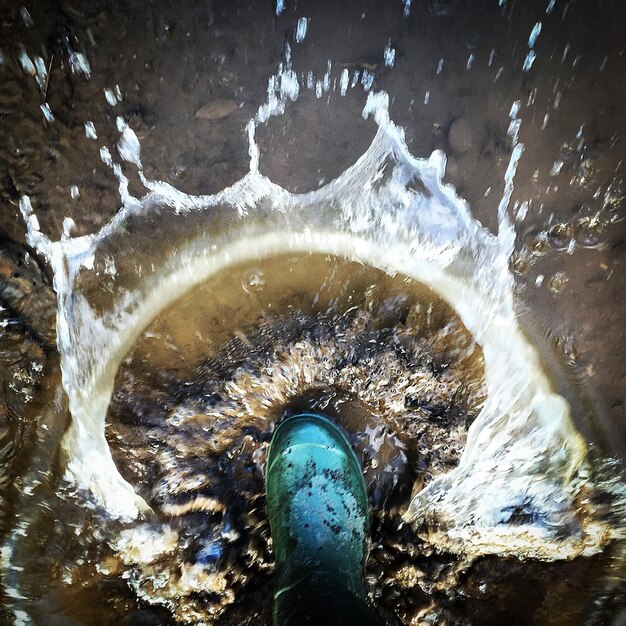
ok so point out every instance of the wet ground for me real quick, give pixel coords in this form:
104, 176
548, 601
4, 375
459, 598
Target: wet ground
170, 60
192, 74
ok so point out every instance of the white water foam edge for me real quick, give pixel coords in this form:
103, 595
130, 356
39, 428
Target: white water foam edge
391, 211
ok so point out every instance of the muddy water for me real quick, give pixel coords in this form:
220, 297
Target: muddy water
169, 61
194, 407
193, 410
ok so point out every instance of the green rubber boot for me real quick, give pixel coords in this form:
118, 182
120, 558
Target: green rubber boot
318, 514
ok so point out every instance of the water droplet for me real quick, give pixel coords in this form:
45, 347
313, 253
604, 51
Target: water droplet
556, 168
539, 245
585, 174
47, 112
253, 281
534, 34
301, 29
90, 130
589, 231
26, 17
522, 262
568, 150
165, 30
390, 55
614, 196
110, 97
27, 65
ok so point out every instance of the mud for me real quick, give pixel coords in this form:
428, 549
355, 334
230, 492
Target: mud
174, 60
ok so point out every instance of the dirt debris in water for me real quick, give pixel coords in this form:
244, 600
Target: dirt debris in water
404, 378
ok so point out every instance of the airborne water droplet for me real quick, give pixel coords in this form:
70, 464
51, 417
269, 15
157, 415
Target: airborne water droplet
301, 29
90, 131
390, 55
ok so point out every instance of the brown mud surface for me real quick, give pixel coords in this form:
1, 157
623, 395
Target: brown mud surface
191, 75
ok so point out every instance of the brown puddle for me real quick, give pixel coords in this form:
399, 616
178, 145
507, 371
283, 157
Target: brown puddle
193, 411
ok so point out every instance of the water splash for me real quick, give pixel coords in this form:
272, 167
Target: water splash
523, 460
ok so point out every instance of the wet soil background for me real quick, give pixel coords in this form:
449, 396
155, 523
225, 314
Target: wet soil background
170, 59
